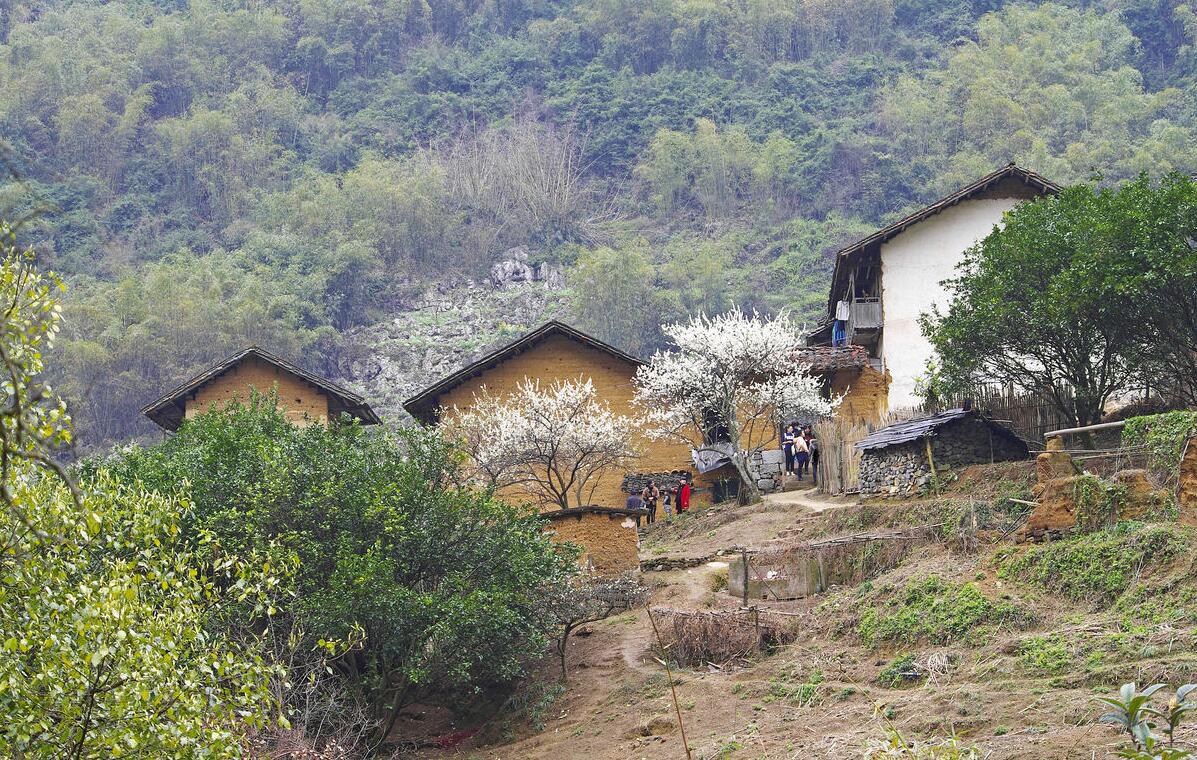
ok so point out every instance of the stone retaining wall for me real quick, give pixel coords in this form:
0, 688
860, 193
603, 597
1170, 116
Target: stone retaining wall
634, 482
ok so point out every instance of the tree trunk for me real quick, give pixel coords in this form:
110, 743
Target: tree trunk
740, 460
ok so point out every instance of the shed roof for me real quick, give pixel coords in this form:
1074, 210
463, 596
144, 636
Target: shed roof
424, 404
1036, 182
169, 410
913, 430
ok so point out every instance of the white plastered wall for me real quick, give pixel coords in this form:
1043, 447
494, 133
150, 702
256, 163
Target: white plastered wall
913, 264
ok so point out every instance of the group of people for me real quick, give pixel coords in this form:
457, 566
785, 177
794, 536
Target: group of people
801, 450
650, 496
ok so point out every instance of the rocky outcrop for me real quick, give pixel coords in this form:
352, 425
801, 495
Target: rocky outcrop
436, 329
514, 269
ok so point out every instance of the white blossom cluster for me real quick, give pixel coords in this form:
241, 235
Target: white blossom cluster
554, 440
737, 370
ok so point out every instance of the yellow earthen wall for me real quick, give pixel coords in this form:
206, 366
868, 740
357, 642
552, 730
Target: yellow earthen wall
609, 542
559, 358
1187, 490
300, 402
866, 395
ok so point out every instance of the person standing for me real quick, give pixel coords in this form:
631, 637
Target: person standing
650, 495
683, 497
667, 503
812, 446
801, 454
787, 446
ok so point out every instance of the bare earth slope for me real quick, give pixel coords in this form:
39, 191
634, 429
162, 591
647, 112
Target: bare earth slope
1018, 686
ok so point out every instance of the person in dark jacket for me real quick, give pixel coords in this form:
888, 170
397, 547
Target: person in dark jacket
787, 446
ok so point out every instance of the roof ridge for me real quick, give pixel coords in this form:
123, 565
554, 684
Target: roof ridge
417, 404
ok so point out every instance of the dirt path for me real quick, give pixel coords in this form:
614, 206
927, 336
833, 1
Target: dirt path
617, 704
809, 499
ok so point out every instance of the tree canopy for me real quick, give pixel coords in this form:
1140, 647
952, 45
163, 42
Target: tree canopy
439, 585
1091, 290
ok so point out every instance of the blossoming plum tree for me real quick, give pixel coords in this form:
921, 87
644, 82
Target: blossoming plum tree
554, 442
727, 383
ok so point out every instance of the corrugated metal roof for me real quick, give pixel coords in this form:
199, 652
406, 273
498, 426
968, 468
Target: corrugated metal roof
913, 430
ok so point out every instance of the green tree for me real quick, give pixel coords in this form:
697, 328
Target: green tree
1150, 255
112, 630
441, 581
1052, 87
110, 618
1044, 301
614, 295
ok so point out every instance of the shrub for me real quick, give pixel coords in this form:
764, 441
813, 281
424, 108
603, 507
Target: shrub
901, 672
935, 610
442, 581
1046, 654
1099, 566
111, 632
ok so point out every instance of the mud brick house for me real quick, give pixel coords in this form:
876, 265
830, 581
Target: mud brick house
305, 398
558, 352
903, 458
848, 371
884, 282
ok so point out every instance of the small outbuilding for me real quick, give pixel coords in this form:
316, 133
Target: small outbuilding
607, 536
899, 459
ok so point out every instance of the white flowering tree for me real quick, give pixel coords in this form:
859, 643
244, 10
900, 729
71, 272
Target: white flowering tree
554, 442
730, 380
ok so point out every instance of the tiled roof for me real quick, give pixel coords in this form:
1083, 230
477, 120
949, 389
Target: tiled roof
423, 405
168, 411
829, 359
1036, 182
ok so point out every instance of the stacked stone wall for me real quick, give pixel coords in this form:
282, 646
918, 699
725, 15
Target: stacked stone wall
903, 470
900, 470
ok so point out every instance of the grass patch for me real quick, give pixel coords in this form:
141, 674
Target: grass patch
901, 672
1100, 566
938, 611
1045, 654
802, 694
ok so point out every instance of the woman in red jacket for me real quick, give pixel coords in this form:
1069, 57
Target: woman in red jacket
683, 497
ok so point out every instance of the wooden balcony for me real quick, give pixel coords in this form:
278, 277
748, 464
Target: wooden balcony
864, 321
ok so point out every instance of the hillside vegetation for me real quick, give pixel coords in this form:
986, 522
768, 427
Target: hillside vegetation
212, 173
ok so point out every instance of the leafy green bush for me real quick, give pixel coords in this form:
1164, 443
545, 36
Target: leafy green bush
936, 610
1099, 566
901, 672
442, 581
1164, 437
1045, 654
113, 630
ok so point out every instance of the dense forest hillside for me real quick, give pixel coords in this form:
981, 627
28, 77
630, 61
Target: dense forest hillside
297, 173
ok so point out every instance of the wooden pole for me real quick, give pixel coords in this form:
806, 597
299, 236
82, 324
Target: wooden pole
931, 463
744, 592
669, 674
